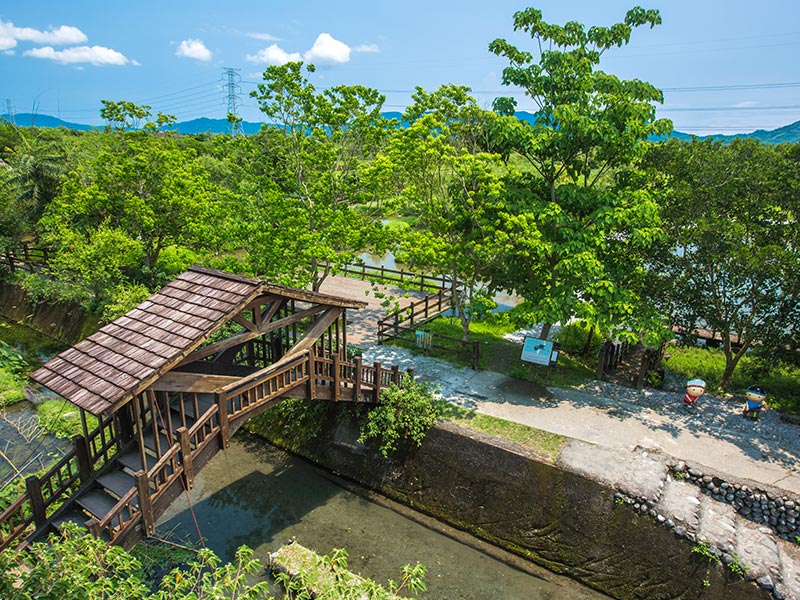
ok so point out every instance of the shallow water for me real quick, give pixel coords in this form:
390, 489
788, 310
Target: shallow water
255, 494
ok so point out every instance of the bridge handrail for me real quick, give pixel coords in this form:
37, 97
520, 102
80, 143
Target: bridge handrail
106, 441
259, 377
424, 309
205, 420
16, 511
405, 278
113, 532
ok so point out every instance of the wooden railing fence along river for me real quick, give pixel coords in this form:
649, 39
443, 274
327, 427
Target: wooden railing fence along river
170, 383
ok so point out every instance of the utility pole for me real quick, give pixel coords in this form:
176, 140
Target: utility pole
233, 91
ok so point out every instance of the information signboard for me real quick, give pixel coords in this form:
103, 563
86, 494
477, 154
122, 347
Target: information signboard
539, 352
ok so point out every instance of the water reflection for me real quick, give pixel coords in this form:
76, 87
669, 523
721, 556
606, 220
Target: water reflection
257, 495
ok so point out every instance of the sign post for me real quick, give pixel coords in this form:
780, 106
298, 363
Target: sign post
540, 352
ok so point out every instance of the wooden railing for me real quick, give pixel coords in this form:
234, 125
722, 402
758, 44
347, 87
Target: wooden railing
405, 279
415, 313
341, 379
24, 256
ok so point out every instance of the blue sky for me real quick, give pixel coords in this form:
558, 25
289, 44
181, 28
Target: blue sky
725, 65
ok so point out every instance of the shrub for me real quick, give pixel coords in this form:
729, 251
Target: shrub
404, 412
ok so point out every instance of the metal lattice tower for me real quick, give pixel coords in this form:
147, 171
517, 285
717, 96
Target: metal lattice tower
233, 92
10, 110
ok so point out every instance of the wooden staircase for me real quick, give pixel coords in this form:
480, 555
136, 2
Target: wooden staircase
119, 495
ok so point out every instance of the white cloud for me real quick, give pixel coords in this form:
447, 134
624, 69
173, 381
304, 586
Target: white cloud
264, 37
9, 35
195, 49
328, 51
95, 55
274, 55
367, 48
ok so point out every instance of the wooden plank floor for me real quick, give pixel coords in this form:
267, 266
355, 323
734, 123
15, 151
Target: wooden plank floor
362, 324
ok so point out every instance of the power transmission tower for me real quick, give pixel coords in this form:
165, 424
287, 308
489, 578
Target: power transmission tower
10, 110
234, 91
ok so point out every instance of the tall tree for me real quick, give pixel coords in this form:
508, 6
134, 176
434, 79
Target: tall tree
732, 253
588, 126
451, 193
321, 142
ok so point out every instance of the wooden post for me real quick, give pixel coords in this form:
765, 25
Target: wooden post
93, 525
337, 370
311, 386
376, 382
357, 382
224, 427
476, 351
82, 456
601, 360
395, 374
34, 488
186, 457
426, 306
145, 503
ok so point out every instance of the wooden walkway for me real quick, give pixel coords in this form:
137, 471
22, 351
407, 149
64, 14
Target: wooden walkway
362, 325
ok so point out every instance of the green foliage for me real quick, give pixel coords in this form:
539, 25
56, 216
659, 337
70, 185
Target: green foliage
76, 565
327, 577
579, 222
290, 424
573, 337
63, 419
729, 261
403, 413
779, 379
124, 298
13, 367
12, 387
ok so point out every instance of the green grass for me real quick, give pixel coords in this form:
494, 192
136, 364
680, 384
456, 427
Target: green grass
782, 381
500, 355
11, 387
542, 442
63, 419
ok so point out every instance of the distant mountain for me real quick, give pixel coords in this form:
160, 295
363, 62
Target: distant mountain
787, 133
31, 120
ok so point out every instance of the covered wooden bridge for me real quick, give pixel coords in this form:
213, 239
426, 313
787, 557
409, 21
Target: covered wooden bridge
170, 383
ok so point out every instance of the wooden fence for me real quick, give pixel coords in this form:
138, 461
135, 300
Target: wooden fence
405, 279
24, 256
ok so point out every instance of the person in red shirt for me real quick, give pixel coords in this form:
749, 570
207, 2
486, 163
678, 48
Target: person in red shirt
694, 389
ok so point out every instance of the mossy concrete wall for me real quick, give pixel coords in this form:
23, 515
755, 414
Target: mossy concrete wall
61, 321
522, 502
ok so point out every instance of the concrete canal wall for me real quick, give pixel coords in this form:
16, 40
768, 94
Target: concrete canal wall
585, 514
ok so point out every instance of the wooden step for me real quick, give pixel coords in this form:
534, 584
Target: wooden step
204, 402
96, 502
133, 462
118, 483
150, 442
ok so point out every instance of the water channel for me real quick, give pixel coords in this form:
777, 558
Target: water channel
254, 494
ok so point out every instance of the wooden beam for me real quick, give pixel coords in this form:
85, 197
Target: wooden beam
192, 382
317, 329
244, 323
242, 338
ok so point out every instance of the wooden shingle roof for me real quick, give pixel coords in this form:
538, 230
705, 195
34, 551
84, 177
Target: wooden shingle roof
102, 372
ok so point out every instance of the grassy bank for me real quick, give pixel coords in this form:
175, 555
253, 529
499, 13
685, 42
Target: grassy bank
501, 355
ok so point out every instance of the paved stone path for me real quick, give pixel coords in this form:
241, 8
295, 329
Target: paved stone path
629, 439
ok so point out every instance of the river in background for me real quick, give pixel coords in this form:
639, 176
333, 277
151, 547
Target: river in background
254, 494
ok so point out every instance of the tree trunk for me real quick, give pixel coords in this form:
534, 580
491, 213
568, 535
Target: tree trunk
545, 330
587, 345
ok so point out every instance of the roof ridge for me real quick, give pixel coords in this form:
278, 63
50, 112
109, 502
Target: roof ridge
224, 275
